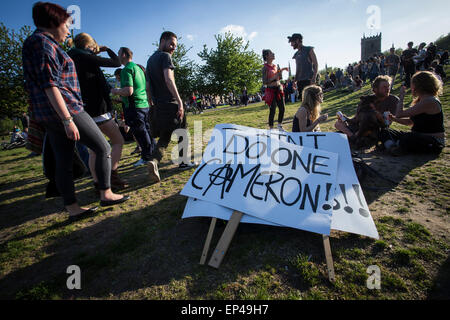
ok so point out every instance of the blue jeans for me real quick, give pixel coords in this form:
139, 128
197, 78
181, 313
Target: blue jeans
138, 121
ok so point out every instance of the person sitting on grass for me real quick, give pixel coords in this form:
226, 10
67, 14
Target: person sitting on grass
357, 83
307, 118
384, 101
425, 116
16, 135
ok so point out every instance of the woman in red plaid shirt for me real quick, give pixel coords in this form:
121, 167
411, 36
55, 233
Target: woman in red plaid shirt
55, 102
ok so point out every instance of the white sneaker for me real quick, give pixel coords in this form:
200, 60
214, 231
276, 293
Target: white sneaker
153, 172
280, 128
141, 162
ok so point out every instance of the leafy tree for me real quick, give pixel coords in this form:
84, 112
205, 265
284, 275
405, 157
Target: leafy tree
13, 98
230, 67
443, 42
184, 71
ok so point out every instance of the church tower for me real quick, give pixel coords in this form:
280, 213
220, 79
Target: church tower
370, 46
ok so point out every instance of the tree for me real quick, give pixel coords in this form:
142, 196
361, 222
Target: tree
13, 98
230, 67
184, 71
443, 42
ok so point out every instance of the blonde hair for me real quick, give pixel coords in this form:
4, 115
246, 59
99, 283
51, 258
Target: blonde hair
310, 98
425, 82
82, 41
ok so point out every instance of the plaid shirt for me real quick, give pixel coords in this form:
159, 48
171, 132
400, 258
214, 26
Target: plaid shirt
46, 65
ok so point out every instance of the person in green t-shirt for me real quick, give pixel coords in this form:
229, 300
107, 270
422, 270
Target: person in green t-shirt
136, 106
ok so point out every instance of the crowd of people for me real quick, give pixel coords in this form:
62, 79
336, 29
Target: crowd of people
71, 101
425, 58
422, 70
199, 102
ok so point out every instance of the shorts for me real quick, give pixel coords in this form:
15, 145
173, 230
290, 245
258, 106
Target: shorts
102, 119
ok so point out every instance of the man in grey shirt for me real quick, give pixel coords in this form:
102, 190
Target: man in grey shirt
306, 62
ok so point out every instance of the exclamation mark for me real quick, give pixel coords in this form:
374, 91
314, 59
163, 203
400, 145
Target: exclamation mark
346, 208
362, 211
326, 206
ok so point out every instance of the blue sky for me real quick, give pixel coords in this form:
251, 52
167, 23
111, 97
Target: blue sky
333, 27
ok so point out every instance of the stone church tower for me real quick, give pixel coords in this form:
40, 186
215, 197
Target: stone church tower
370, 46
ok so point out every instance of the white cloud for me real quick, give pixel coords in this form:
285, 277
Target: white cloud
190, 37
252, 35
238, 31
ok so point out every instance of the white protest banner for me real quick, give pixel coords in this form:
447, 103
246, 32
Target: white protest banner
268, 179
350, 210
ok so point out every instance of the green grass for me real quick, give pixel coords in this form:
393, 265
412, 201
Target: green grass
143, 250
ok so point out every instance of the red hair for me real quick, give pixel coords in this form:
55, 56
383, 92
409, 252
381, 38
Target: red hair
49, 15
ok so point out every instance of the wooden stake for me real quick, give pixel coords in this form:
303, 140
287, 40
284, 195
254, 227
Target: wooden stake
208, 240
328, 257
225, 239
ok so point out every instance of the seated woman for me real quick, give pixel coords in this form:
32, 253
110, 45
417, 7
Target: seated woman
425, 116
307, 118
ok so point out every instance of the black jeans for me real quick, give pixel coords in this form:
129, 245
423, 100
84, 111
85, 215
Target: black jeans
273, 107
164, 122
63, 148
414, 142
138, 121
409, 72
302, 84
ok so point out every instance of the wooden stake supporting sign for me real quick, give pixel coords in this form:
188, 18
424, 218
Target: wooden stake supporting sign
208, 240
225, 239
328, 257
228, 234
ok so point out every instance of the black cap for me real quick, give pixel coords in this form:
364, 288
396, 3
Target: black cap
295, 36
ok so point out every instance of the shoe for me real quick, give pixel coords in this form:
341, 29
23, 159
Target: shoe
136, 150
153, 172
82, 215
116, 182
280, 127
141, 162
186, 165
106, 203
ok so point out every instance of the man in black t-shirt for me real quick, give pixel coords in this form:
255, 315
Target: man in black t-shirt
408, 63
168, 114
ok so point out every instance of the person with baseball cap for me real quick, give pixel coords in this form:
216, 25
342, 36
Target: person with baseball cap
306, 62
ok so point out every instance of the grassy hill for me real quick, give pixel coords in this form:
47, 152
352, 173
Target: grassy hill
143, 250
